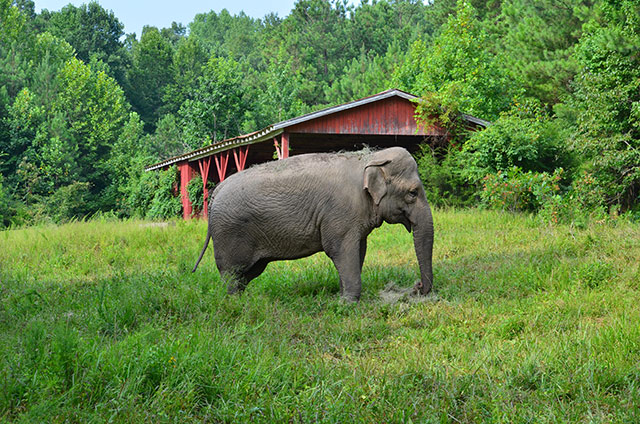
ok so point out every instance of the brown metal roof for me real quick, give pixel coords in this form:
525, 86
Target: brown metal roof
274, 130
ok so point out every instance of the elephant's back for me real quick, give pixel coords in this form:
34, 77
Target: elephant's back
285, 200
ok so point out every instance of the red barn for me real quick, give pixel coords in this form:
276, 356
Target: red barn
383, 120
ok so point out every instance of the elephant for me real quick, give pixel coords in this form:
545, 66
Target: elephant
295, 207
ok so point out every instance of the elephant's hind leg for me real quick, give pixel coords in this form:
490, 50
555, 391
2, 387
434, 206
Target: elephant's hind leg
238, 279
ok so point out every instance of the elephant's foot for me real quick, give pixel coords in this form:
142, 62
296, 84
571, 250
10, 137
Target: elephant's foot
346, 298
420, 289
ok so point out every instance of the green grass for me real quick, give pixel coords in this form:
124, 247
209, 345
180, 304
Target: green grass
103, 321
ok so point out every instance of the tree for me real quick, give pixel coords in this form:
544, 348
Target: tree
315, 37
606, 104
150, 73
228, 36
463, 74
167, 141
93, 32
188, 62
373, 27
86, 119
275, 93
538, 40
525, 137
363, 76
218, 107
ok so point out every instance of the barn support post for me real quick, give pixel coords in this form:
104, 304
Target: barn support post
186, 175
222, 159
240, 156
205, 164
285, 145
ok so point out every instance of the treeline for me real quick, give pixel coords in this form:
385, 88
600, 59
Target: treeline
84, 106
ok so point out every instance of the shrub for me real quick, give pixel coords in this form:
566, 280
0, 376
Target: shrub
517, 190
68, 202
525, 137
5, 211
165, 203
441, 177
583, 202
196, 194
153, 195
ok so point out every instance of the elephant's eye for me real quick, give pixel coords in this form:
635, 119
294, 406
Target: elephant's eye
413, 192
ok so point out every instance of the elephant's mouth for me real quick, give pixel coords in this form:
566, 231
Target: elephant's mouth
407, 224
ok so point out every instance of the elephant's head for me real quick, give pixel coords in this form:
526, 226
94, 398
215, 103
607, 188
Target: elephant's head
392, 181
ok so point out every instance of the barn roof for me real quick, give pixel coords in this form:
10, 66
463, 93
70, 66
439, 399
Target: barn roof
276, 129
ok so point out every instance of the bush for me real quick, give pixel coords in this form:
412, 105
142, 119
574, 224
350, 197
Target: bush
525, 137
583, 202
441, 177
153, 195
165, 203
5, 210
68, 202
196, 194
517, 190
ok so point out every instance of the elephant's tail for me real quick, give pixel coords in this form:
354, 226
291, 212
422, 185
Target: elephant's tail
204, 249
212, 196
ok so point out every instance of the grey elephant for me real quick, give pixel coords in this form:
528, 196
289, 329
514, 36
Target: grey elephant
292, 208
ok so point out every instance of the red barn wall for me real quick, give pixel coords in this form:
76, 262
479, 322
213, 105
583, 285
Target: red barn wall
392, 116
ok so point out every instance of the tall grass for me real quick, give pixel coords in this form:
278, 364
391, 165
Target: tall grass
103, 321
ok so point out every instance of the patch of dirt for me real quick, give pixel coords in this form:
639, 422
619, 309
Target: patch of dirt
158, 224
392, 293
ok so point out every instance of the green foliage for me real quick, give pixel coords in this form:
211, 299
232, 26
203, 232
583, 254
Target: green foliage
167, 141
196, 194
154, 195
5, 206
188, 62
69, 201
525, 137
92, 110
93, 32
165, 203
216, 111
583, 202
150, 74
12, 22
364, 76
223, 35
466, 76
538, 40
519, 191
276, 93
606, 102
444, 183
314, 35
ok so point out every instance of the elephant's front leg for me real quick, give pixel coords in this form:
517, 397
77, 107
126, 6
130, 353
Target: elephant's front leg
348, 261
363, 253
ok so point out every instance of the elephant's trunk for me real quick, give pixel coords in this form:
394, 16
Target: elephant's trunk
422, 226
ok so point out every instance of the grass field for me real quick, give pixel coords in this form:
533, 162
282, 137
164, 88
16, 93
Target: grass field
103, 321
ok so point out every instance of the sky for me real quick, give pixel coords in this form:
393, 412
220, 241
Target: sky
135, 14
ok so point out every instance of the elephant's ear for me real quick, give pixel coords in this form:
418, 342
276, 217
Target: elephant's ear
374, 180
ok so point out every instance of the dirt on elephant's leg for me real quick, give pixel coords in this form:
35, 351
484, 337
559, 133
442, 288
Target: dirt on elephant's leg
238, 280
235, 282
